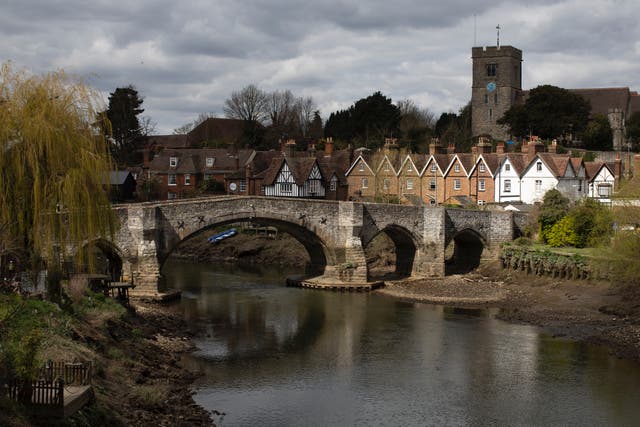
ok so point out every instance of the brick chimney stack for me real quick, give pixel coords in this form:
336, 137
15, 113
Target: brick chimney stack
451, 148
617, 169
500, 147
291, 148
433, 146
524, 148
484, 146
328, 146
553, 147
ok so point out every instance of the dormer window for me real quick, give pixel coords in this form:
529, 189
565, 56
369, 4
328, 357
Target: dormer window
173, 162
409, 169
209, 162
434, 167
481, 167
456, 168
507, 167
360, 167
539, 166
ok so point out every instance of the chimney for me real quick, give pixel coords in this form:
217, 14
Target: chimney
328, 146
290, 148
484, 146
553, 147
524, 148
282, 146
433, 146
617, 170
500, 147
474, 149
237, 161
451, 148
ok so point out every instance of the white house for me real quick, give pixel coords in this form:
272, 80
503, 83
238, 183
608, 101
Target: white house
601, 181
507, 183
294, 177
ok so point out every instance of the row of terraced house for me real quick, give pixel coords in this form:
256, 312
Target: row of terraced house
438, 177
480, 177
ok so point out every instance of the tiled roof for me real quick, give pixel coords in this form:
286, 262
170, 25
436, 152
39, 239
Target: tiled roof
300, 169
168, 141
593, 168
602, 99
219, 129
193, 160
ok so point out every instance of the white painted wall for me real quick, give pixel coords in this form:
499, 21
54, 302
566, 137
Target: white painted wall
532, 193
499, 183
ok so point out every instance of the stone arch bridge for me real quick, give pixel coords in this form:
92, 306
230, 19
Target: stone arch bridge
334, 233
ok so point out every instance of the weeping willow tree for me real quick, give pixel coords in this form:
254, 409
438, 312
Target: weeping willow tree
54, 164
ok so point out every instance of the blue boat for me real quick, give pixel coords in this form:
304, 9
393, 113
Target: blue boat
221, 236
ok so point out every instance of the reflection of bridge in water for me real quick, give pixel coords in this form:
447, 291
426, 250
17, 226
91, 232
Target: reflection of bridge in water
333, 233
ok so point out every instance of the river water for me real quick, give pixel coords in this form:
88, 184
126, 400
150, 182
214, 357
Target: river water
278, 356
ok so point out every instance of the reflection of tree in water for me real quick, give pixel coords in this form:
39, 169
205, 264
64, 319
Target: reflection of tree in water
251, 333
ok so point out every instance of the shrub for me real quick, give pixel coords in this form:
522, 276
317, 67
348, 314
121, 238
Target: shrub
563, 233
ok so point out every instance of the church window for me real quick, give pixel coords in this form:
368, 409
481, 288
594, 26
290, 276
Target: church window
495, 98
486, 98
492, 69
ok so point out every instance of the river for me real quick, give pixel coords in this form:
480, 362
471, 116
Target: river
278, 356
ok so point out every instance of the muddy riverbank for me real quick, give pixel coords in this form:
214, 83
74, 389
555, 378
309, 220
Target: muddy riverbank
591, 311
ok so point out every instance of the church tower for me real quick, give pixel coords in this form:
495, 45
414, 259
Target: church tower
497, 83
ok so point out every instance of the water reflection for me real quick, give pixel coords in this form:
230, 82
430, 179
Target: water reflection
273, 355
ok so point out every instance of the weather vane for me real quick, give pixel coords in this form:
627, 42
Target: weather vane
498, 41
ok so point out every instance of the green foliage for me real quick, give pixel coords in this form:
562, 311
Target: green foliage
368, 121
53, 163
592, 223
455, 129
548, 112
563, 233
554, 207
124, 125
621, 259
633, 128
523, 241
598, 134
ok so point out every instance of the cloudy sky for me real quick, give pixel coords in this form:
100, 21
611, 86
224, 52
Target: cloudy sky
185, 58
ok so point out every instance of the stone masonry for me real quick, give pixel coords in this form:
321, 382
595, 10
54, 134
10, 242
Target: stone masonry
334, 233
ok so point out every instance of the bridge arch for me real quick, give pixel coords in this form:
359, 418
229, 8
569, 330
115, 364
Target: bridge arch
108, 258
464, 251
319, 252
405, 248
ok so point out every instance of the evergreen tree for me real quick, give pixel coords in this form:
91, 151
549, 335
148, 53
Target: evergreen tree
598, 134
124, 125
549, 112
316, 130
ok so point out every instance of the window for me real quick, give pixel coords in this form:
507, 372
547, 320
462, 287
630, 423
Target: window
365, 183
243, 185
207, 177
604, 190
490, 114
434, 167
187, 179
172, 179
507, 186
481, 202
286, 187
492, 69
539, 166
209, 162
334, 184
495, 98
432, 184
456, 184
360, 167
173, 162
262, 189
486, 98
481, 167
580, 185
409, 168
386, 167
386, 183
481, 185
507, 167
456, 167
171, 196
409, 184
538, 185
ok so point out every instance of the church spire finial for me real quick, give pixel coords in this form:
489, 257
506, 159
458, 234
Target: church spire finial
498, 38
